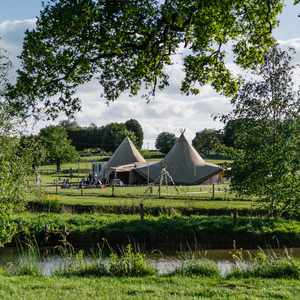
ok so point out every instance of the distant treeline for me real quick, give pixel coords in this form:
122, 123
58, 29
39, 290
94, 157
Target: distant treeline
106, 137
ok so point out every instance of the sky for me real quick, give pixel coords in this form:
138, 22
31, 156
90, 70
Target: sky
168, 111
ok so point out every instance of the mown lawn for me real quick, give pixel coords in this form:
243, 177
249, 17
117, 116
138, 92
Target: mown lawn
176, 287
89, 199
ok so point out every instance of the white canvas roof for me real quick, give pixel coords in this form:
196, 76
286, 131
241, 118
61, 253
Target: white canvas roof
125, 154
184, 164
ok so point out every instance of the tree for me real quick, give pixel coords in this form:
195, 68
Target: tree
113, 134
69, 125
165, 141
269, 161
207, 140
5, 64
127, 45
14, 162
57, 145
135, 127
38, 151
230, 132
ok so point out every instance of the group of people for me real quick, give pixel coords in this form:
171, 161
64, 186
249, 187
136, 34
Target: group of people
90, 181
66, 184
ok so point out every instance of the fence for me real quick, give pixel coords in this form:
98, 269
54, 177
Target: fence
212, 191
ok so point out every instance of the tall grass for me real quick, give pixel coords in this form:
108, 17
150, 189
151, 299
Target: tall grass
128, 263
76, 264
266, 266
199, 267
28, 262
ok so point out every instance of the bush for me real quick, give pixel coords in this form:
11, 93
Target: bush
199, 267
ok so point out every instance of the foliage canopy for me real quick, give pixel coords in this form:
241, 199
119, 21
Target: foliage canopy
269, 161
58, 146
135, 127
165, 141
207, 140
126, 46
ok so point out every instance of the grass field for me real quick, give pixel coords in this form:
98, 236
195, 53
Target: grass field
181, 197
90, 199
176, 287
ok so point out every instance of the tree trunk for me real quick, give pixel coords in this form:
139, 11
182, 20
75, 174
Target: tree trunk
58, 168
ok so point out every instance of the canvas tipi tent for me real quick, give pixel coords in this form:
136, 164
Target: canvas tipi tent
125, 154
184, 164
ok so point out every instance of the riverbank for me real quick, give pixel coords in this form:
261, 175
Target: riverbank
164, 232
153, 207
150, 287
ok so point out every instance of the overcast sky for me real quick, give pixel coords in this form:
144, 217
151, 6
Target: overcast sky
169, 111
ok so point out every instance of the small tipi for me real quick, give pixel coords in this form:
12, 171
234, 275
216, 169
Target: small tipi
184, 164
125, 154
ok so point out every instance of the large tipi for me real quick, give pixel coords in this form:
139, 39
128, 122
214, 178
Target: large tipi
184, 164
125, 154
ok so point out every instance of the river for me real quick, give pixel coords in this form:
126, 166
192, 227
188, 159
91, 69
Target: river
164, 262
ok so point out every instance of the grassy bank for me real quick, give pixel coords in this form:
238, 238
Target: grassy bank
154, 207
164, 232
151, 287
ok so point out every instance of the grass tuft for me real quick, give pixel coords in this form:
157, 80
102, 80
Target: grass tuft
267, 266
130, 263
78, 265
199, 267
26, 265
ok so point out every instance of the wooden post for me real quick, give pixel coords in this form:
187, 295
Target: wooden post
213, 191
235, 216
113, 190
142, 212
81, 190
234, 244
159, 190
46, 233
